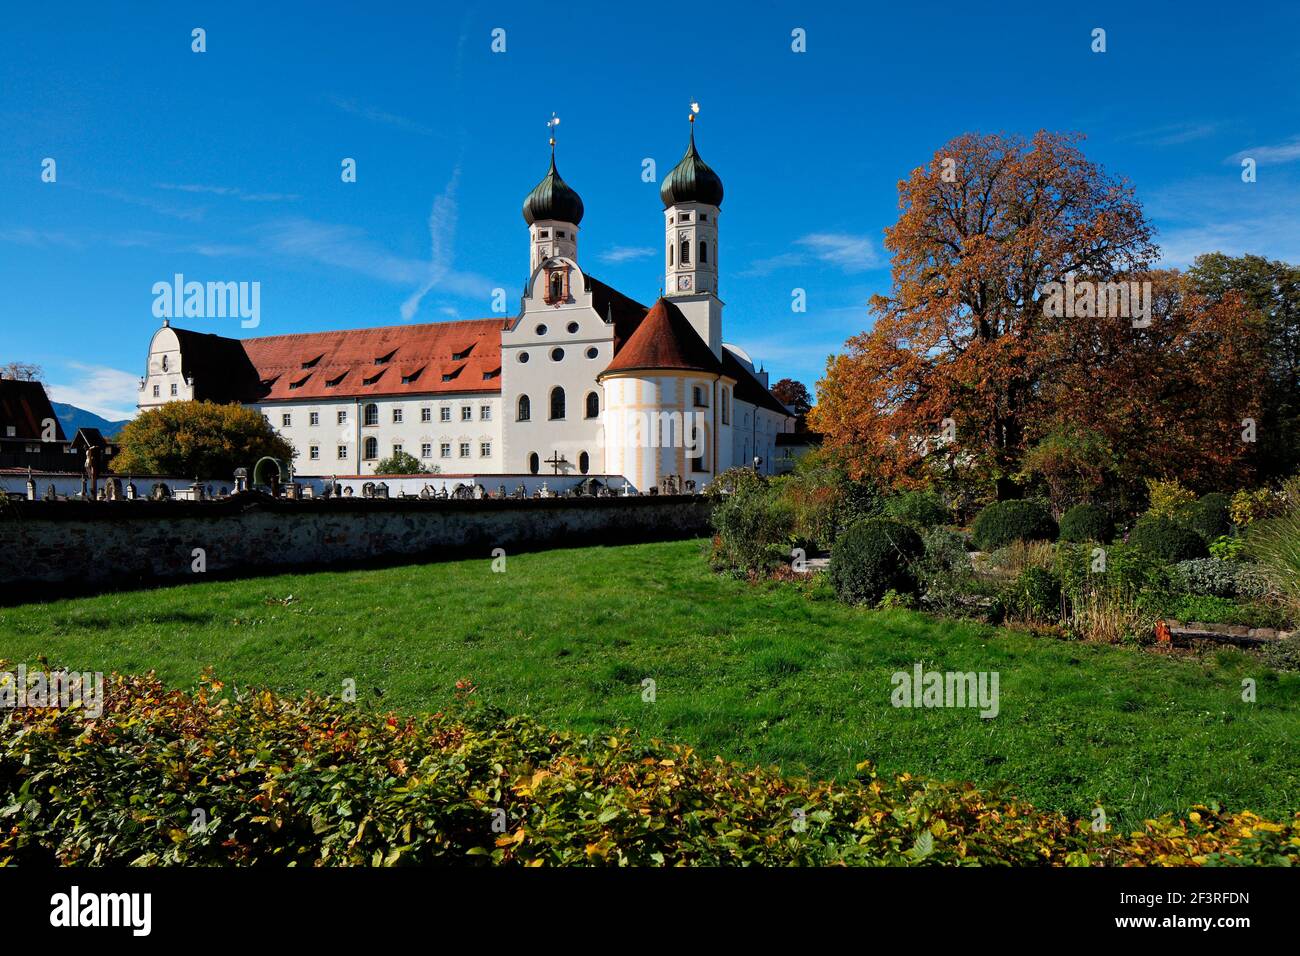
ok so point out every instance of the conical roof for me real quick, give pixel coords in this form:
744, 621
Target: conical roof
665, 339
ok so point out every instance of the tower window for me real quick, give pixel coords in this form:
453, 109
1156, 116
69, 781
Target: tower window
557, 403
686, 217
704, 253
557, 287
560, 234
670, 254
686, 252
543, 233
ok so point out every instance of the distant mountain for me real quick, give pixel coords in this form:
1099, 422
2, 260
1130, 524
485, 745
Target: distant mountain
71, 418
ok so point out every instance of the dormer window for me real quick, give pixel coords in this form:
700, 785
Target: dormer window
372, 379
331, 382
383, 359
300, 383
413, 376
311, 363
461, 356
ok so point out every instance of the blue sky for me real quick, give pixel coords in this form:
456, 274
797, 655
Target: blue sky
224, 165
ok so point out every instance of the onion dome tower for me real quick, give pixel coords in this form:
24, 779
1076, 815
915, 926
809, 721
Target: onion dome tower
553, 211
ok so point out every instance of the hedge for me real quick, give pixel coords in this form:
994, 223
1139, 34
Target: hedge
1168, 540
316, 781
1087, 523
1005, 522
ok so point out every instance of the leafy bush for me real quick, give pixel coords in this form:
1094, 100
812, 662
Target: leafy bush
753, 525
402, 463
872, 557
1112, 593
825, 501
1168, 499
1168, 540
1227, 547
1207, 609
1248, 507
944, 571
1208, 517
1283, 655
1087, 523
318, 782
1206, 576
1003, 522
917, 509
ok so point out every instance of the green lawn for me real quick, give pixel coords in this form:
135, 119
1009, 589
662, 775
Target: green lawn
753, 672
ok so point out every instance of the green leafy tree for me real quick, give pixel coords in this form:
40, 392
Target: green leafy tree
203, 439
402, 463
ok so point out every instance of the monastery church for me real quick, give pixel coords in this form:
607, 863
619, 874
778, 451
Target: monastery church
584, 380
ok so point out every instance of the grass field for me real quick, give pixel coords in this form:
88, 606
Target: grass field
759, 673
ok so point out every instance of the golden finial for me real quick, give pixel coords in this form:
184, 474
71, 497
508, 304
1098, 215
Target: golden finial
551, 123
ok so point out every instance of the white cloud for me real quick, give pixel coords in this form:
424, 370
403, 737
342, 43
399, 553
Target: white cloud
379, 116
108, 392
1287, 152
233, 191
846, 252
626, 253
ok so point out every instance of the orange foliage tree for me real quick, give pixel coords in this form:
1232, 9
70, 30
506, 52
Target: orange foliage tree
971, 359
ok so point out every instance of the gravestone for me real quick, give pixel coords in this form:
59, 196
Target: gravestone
160, 492
50, 493
381, 490
112, 490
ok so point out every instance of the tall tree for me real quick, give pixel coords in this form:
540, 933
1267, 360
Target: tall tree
793, 393
1273, 289
22, 371
963, 342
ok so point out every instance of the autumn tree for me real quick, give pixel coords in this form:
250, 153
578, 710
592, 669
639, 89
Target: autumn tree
971, 361
794, 394
203, 439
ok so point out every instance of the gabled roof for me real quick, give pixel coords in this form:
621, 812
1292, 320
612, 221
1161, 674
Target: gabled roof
665, 340
613, 306
219, 366
26, 407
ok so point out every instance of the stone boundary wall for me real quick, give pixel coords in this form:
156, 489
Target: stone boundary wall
79, 545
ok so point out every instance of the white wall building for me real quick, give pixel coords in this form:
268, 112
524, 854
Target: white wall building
584, 380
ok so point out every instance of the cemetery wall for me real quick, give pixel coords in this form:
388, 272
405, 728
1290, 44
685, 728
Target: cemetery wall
99, 544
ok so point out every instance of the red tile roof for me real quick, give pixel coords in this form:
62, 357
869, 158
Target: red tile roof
393, 360
665, 339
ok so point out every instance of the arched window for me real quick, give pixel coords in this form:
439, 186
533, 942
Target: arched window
670, 253
371, 449
686, 252
704, 253
557, 402
525, 409
584, 462
534, 463
698, 444
593, 405
371, 414
557, 287
726, 411
164, 364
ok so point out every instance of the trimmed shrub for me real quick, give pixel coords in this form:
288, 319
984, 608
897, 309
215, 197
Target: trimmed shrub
1003, 522
1209, 517
1168, 540
1087, 523
872, 557
335, 784
917, 509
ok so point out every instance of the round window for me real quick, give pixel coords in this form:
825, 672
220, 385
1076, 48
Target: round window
592, 352
523, 356
557, 354
573, 327
541, 329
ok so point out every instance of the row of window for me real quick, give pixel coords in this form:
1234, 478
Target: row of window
557, 354
370, 450
524, 407
370, 415
174, 389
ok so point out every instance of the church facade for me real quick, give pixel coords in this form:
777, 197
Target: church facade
583, 380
